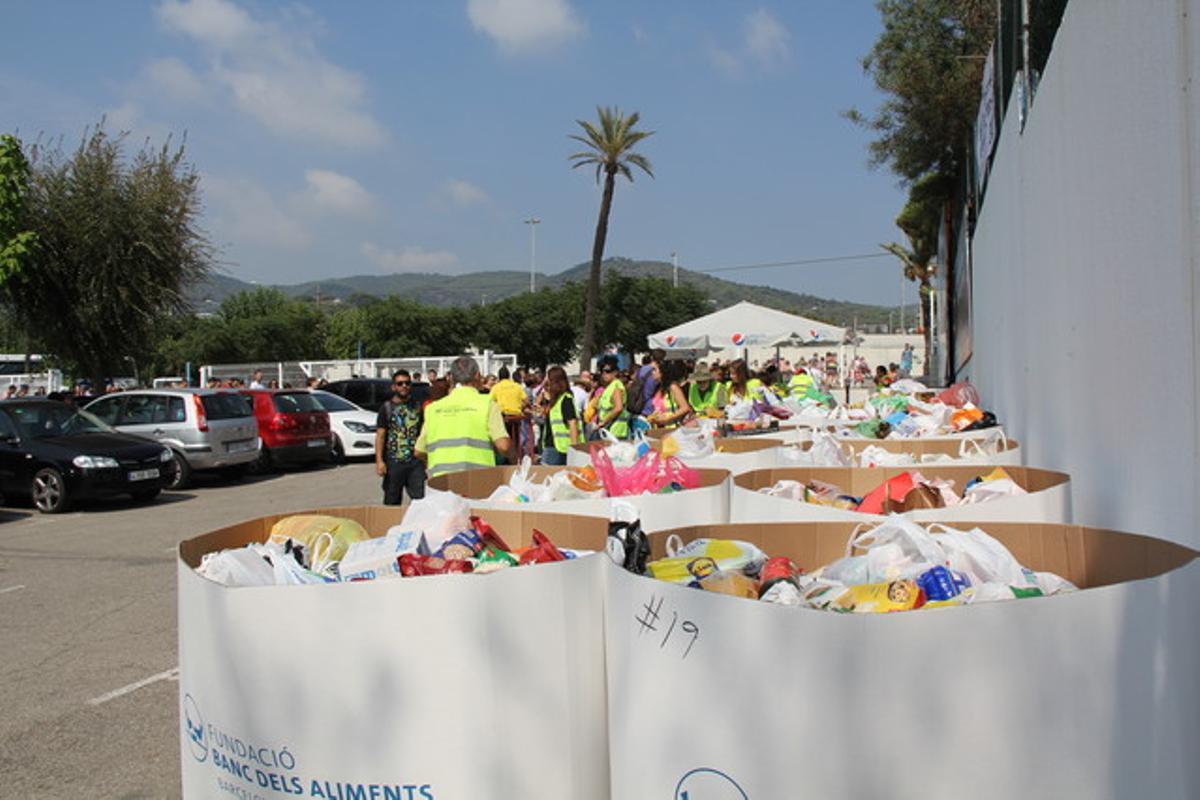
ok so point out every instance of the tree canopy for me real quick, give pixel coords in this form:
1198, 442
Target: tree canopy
117, 245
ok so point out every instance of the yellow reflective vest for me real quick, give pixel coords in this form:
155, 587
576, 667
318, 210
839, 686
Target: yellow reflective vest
456, 432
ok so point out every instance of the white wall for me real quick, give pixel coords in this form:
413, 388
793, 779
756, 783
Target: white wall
1087, 257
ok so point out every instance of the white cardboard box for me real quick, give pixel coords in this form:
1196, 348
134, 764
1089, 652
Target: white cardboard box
1095, 694
706, 505
1048, 500
439, 686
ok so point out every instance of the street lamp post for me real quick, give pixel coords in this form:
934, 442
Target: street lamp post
675, 269
532, 222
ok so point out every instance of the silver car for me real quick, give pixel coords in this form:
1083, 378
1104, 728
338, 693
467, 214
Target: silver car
206, 429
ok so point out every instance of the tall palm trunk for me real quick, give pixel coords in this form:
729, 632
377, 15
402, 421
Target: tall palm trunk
593, 290
923, 295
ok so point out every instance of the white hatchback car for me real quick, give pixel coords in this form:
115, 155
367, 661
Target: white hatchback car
353, 427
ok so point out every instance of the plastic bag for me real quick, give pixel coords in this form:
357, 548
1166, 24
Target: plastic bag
560, 486
242, 566
908, 386
324, 538
690, 443
627, 544
894, 488
978, 555
912, 550
875, 456
790, 490
700, 558
827, 451
741, 410
959, 395
995, 489
439, 515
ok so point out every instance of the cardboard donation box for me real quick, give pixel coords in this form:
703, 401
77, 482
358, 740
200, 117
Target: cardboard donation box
737, 455
450, 686
705, 505
1089, 694
1048, 497
964, 451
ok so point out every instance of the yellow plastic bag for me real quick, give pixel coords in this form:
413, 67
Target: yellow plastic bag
702, 557
879, 598
324, 538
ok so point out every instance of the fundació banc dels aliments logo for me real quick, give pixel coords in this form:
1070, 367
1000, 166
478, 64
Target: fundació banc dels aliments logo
193, 727
706, 783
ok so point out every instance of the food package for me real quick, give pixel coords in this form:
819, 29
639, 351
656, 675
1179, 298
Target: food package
732, 583
414, 564
325, 539
542, 551
893, 489
700, 558
879, 598
492, 559
826, 494
965, 416
379, 557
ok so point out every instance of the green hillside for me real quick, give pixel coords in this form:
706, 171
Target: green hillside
486, 287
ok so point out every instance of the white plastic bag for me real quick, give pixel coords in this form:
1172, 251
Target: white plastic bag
439, 515
740, 411
791, 490
979, 556
691, 443
794, 456
875, 456
827, 451
905, 549
559, 487
908, 386
243, 566
985, 491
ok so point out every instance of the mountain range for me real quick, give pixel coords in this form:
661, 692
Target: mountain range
485, 287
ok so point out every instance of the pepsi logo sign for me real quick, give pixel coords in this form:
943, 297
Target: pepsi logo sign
670, 341
738, 338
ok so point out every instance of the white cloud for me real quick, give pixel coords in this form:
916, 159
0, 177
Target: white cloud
523, 25
245, 212
124, 117
175, 79
274, 73
463, 193
408, 259
341, 194
767, 40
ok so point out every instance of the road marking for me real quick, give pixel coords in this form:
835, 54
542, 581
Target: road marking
168, 675
12, 589
172, 549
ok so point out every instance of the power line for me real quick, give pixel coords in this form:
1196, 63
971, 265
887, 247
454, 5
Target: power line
796, 262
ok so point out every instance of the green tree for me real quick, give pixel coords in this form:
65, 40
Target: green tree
15, 244
927, 62
610, 149
634, 308
117, 248
267, 325
399, 327
345, 329
540, 328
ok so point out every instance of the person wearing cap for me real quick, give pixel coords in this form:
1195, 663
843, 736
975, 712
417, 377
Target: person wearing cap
704, 391
463, 429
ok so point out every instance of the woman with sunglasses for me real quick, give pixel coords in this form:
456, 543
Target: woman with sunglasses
611, 414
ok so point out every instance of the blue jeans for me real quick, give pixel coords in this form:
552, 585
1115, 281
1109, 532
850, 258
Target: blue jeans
553, 458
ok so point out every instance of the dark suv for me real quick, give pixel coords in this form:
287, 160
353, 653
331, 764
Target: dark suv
372, 393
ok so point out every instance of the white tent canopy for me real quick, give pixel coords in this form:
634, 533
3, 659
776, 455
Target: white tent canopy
746, 325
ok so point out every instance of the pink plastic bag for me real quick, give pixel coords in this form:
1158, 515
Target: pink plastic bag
959, 395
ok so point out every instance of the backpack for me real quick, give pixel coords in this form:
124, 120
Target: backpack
634, 401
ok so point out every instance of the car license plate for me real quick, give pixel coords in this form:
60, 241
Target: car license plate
143, 474
239, 447
317, 443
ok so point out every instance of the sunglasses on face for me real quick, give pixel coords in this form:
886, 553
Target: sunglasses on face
401, 383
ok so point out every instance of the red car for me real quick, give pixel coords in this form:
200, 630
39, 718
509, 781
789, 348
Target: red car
293, 427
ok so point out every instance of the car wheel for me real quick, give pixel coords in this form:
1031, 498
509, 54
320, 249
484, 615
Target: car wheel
146, 495
338, 454
183, 473
50, 491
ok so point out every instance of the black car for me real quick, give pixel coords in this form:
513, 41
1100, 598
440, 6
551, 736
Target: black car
372, 393
56, 454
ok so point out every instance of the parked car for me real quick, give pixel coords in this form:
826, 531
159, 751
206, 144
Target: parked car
370, 394
353, 427
206, 429
56, 455
293, 427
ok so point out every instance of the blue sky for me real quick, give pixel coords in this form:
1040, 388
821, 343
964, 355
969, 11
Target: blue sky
357, 138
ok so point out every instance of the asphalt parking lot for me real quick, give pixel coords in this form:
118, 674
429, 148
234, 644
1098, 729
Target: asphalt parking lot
88, 681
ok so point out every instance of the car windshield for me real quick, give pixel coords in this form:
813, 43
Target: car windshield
331, 402
293, 402
226, 405
46, 420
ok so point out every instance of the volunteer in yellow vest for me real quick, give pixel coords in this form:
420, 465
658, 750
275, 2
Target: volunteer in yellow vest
611, 414
561, 428
463, 429
741, 385
704, 391
800, 383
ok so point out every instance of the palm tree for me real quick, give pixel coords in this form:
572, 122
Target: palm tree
610, 148
916, 268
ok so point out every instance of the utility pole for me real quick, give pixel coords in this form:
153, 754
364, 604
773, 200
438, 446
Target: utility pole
532, 222
902, 301
675, 269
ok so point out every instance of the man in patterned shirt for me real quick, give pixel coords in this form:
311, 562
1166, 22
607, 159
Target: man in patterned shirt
396, 431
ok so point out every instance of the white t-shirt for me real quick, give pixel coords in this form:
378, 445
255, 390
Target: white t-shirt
581, 399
